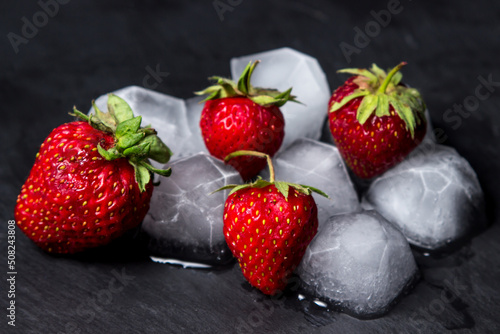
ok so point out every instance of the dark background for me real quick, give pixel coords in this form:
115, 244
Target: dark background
89, 48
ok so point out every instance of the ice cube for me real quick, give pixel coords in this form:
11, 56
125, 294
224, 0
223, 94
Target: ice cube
284, 68
166, 114
433, 196
359, 262
185, 220
316, 164
195, 143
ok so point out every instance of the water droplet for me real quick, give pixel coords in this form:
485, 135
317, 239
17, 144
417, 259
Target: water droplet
320, 303
184, 264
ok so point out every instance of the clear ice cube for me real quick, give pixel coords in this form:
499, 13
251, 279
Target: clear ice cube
316, 164
284, 68
168, 115
358, 262
185, 220
433, 197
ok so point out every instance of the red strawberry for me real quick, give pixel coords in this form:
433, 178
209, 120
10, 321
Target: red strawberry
375, 120
238, 116
268, 226
91, 180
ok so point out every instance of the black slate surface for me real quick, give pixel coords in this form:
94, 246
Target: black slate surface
82, 49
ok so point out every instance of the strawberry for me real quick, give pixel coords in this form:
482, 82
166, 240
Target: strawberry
268, 226
90, 181
238, 116
375, 120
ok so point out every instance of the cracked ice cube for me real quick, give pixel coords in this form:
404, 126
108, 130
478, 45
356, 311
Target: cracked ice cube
433, 197
166, 114
319, 165
284, 68
185, 220
359, 262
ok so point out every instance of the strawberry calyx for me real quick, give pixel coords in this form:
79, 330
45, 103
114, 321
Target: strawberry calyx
282, 186
379, 90
243, 88
133, 142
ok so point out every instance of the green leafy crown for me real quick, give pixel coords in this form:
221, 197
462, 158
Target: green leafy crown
379, 90
264, 96
133, 142
281, 186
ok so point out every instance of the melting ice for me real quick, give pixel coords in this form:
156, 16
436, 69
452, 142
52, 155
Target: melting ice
185, 220
433, 197
359, 262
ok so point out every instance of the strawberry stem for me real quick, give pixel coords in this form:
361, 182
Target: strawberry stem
79, 114
262, 96
255, 154
243, 84
132, 142
282, 186
388, 78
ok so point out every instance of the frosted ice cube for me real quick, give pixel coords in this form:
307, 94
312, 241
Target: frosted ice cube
359, 262
316, 164
433, 196
284, 68
166, 114
185, 221
195, 143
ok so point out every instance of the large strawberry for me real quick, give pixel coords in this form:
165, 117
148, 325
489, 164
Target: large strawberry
238, 116
90, 181
268, 226
375, 120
